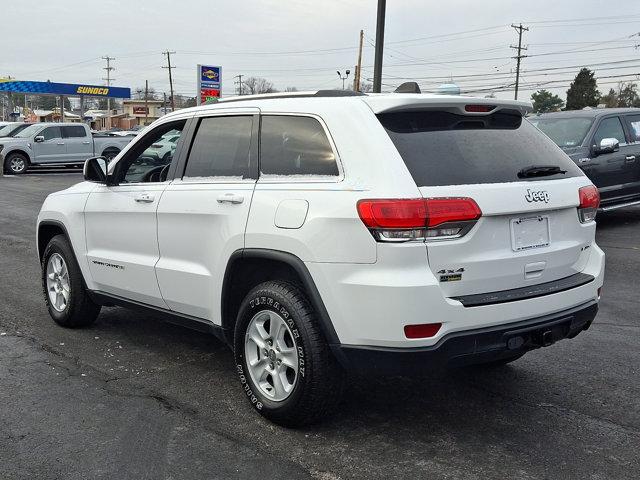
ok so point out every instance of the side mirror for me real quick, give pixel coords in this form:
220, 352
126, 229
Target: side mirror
95, 170
608, 145
39, 138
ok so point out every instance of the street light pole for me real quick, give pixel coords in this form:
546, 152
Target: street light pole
345, 77
377, 65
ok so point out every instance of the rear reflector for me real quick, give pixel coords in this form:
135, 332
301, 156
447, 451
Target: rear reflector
589, 203
479, 108
424, 330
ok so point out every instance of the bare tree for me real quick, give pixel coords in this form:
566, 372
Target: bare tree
291, 89
255, 85
366, 87
139, 94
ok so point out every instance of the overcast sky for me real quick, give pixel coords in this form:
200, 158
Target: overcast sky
302, 43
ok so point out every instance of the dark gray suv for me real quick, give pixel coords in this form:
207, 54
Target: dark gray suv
605, 144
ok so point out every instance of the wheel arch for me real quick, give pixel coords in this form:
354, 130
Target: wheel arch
20, 151
47, 229
111, 148
249, 267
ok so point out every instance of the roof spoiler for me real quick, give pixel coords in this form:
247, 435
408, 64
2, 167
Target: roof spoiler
408, 87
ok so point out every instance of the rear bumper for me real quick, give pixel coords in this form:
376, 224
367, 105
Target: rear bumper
471, 346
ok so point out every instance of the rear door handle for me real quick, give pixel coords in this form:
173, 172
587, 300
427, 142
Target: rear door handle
60, 143
231, 198
630, 158
86, 143
144, 198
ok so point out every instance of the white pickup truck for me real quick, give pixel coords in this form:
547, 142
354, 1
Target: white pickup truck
55, 143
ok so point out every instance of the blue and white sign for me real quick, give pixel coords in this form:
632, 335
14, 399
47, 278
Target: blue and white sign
209, 82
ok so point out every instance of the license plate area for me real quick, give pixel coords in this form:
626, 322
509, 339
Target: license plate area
529, 232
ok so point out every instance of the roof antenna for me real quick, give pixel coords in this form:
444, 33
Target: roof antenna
408, 87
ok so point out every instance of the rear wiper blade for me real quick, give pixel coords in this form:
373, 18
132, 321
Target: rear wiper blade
540, 171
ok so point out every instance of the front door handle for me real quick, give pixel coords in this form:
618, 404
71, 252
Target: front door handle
630, 158
231, 198
144, 198
60, 143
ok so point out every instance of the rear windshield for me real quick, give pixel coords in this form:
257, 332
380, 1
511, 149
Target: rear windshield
565, 132
442, 148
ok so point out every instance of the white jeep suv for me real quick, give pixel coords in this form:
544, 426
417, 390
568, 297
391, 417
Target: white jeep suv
325, 232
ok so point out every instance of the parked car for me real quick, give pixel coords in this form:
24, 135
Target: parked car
605, 144
323, 232
11, 129
55, 143
163, 148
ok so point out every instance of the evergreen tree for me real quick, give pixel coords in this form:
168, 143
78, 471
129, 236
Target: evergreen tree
583, 91
545, 101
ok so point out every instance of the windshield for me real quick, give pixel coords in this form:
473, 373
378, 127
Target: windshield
29, 131
6, 130
565, 132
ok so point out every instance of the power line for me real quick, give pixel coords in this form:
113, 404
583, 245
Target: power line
169, 67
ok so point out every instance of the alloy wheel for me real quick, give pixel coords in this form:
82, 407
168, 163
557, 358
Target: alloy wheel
58, 286
17, 165
271, 355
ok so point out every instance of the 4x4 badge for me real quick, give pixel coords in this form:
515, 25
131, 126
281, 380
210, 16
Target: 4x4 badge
537, 196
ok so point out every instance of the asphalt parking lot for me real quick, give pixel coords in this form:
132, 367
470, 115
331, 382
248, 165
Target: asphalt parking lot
135, 398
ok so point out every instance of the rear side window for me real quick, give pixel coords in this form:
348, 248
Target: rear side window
442, 148
295, 145
634, 127
74, 132
609, 128
221, 148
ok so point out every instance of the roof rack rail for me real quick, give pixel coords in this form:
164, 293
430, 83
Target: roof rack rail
317, 94
338, 93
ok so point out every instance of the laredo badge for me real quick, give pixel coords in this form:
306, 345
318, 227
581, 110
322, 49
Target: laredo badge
450, 275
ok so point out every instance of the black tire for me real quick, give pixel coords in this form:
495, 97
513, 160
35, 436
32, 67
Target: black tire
15, 160
80, 310
110, 153
320, 378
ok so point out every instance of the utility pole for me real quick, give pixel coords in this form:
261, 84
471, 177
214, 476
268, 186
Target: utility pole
146, 102
239, 83
377, 64
519, 48
356, 76
169, 67
108, 69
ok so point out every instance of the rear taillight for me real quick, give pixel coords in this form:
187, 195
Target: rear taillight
401, 220
589, 203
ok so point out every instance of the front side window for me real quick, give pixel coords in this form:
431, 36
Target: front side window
221, 149
295, 146
50, 133
74, 131
609, 128
149, 159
